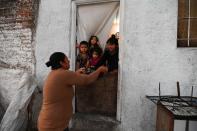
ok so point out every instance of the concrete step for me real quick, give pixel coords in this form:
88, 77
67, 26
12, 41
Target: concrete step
90, 122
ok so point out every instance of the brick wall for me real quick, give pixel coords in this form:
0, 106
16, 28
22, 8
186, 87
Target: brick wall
17, 29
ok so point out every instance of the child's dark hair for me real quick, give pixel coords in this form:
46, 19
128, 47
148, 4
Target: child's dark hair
54, 60
112, 40
98, 51
84, 43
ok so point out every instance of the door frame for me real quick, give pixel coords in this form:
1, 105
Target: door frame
72, 52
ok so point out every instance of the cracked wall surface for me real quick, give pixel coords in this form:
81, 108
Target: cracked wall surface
17, 29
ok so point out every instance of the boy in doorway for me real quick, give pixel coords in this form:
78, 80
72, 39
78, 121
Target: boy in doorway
82, 57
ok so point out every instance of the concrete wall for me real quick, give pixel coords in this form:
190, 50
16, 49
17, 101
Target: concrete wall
149, 54
52, 33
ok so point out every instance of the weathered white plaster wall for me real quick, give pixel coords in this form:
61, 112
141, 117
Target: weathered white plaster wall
16, 48
151, 56
52, 33
149, 52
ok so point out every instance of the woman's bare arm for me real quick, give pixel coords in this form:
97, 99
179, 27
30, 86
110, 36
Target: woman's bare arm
75, 78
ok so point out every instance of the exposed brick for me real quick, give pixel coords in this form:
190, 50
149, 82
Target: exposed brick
17, 27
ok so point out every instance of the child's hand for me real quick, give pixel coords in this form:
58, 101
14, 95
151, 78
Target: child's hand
103, 69
81, 70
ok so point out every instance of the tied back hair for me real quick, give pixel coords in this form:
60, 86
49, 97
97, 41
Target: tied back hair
48, 63
55, 59
112, 40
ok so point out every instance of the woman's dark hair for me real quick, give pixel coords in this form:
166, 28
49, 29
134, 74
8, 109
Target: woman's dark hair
89, 42
112, 40
54, 60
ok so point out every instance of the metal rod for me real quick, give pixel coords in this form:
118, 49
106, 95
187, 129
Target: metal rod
159, 92
178, 89
187, 125
192, 91
192, 94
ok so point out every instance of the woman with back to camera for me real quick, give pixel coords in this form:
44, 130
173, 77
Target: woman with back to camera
56, 110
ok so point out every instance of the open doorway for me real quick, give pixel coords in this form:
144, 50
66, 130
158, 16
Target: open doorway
101, 19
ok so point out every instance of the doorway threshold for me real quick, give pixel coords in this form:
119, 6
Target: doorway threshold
93, 122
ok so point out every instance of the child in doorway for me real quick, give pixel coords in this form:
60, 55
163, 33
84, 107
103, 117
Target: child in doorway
94, 59
110, 56
94, 44
82, 57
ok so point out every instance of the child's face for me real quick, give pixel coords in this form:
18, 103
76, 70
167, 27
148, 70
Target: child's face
111, 47
94, 55
93, 41
83, 49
